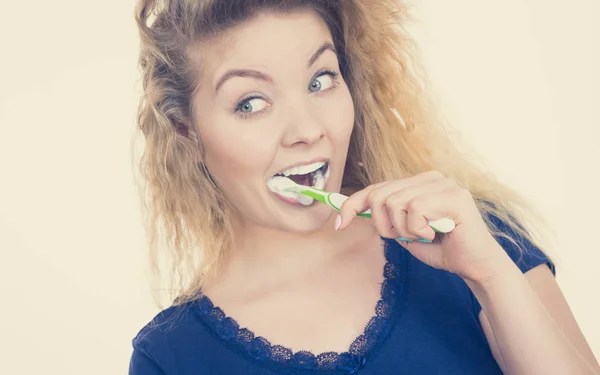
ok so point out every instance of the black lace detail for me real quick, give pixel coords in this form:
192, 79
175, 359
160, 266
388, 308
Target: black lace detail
351, 361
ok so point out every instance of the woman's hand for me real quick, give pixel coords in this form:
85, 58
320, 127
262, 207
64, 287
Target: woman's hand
402, 208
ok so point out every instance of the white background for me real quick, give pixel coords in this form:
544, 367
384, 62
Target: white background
519, 77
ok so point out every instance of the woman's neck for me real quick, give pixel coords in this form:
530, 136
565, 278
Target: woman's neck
267, 257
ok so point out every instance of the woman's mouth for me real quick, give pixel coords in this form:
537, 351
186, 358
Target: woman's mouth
315, 175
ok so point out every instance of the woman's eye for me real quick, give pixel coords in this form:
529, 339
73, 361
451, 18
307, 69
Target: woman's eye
252, 105
322, 82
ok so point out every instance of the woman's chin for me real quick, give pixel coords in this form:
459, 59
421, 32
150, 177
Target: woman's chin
306, 222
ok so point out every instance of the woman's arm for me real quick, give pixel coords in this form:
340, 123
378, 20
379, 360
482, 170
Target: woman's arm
530, 334
529, 325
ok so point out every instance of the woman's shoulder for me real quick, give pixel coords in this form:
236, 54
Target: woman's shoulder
171, 327
156, 339
164, 326
171, 336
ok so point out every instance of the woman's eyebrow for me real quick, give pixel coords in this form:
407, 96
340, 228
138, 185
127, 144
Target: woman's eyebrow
326, 46
242, 73
251, 73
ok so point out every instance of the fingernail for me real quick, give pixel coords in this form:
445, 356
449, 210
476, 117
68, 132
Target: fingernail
424, 240
404, 239
338, 222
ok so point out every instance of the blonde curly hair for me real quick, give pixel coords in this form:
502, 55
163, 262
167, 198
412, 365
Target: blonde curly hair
398, 130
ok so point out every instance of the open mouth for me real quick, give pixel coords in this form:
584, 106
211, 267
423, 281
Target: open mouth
308, 178
314, 175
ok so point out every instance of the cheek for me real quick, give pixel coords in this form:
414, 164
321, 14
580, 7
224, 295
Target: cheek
341, 117
237, 151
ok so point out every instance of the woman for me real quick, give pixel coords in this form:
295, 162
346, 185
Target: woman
237, 92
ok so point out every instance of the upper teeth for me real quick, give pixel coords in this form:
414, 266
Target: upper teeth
303, 169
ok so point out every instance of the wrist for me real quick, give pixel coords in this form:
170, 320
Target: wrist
494, 270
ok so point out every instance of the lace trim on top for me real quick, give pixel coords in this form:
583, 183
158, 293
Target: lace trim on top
350, 361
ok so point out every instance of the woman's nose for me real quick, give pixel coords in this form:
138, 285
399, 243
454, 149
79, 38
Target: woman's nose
303, 127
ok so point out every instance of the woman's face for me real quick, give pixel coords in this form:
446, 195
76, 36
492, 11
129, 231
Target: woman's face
271, 97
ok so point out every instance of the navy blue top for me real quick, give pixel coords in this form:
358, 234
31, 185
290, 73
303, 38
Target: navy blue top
426, 322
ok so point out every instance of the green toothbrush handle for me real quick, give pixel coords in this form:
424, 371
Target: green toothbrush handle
443, 225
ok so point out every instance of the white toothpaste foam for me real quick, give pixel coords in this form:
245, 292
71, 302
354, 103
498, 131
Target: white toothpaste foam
280, 184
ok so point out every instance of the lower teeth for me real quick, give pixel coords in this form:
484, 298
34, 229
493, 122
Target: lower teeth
318, 182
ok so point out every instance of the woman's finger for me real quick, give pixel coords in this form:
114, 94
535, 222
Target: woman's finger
374, 196
356, 203
397, 205
432, 206
378, 201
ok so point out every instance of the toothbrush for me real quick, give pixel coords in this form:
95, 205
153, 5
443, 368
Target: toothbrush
335, 200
